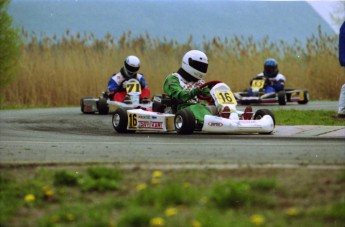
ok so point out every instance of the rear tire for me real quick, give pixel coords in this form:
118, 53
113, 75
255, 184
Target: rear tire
306, 98
261, 113
184, 121
120, 121
102, 106
282, 98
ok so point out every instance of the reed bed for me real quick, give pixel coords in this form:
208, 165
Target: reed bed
59, 71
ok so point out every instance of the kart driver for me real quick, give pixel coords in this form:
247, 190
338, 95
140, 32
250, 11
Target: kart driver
274, 81
183, 85
117, 82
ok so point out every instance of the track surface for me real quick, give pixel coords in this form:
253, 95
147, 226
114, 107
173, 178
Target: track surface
66, 135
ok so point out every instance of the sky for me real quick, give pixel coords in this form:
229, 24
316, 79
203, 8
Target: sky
324, 9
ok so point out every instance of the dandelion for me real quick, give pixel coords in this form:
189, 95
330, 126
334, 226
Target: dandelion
292, 211
257, 219
48, 192
157, 174
157, 222
196, 223
171, 211
29, 198
141, 187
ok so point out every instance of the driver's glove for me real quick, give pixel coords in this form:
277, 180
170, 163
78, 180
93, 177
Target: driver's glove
124, 84
195, 92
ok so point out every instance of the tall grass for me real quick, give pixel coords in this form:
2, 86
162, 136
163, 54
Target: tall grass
59, 71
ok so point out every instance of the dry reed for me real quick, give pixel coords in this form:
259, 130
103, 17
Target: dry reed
58, 72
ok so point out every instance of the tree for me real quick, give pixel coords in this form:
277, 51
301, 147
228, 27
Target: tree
10, 43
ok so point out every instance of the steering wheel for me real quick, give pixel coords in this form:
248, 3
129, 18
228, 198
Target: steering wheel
210, 85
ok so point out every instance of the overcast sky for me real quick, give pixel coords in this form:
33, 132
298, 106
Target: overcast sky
325, 8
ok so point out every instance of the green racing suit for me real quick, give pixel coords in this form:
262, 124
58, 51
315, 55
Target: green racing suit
185, 93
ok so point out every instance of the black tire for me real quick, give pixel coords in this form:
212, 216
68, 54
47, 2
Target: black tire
82, 104
184, 121
282, 98
102, 106
306, 98
262, 112
120, 121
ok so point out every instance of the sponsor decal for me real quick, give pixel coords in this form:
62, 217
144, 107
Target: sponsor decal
215, 124
150, 124
143, 116
153, 117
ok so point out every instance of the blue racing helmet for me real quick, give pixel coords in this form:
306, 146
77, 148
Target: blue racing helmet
270, 67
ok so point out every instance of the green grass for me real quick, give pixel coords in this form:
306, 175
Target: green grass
308, 117
208, 197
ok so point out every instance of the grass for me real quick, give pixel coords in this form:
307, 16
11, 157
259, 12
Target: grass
59, 71
308, 117
55, 196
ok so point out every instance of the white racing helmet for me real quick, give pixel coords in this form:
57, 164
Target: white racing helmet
131, 65
195, 63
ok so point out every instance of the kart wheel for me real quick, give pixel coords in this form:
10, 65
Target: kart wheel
102, 106
262, 112
120, 121
184, 121
306, 98
282, 98
82, 104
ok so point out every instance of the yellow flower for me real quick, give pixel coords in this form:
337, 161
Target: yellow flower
292, 211
155, 181
157, 222
157, 174
171, 211
141, 187
196, 223
48, 191
257, 219
29, 198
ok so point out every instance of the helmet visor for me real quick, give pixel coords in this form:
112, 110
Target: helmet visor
131, 70
200, 66
270, 71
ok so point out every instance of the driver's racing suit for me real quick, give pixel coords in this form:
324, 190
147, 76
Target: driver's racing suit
185, 93
117, 91
273, 84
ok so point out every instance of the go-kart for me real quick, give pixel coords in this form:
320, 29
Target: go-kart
225, 118
104, 104
259, 97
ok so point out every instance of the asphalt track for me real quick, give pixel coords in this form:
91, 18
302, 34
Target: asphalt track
65, 135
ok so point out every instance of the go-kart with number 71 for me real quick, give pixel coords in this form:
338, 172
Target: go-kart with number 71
224, 118
104, 104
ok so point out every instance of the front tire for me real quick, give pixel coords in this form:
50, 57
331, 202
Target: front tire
120, 121
282, 98
184, 121
102, 106
262, 112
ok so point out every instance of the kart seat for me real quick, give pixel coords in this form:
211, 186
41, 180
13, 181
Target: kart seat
162, 103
